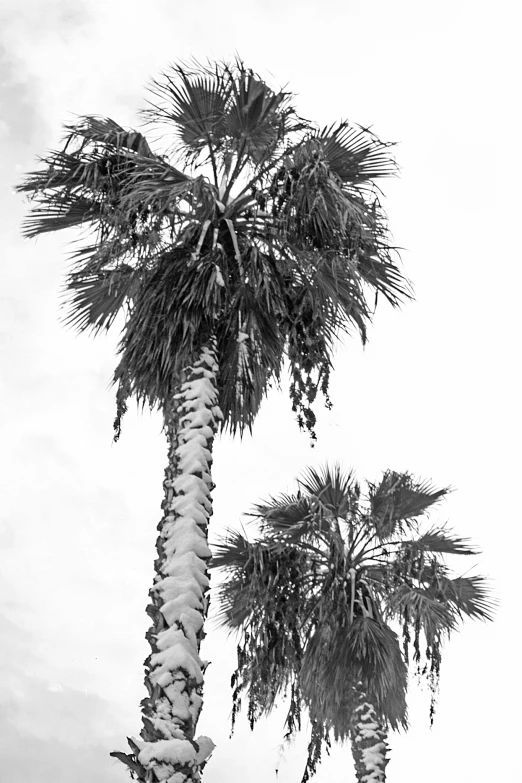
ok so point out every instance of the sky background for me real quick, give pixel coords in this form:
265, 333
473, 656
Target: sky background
435, 392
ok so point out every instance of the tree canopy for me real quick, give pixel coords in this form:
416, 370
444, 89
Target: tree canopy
324, 593
251, 225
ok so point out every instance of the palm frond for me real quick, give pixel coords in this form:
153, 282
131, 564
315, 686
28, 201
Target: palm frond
95, 298
237, 556
282, 513
257, 116
398, 498
376, 258
263, 598
170, 321
232, 551
260, 575
250, 339
223, 108
470, 595
59, 211
157, 186
299, 519
325, 299
355, 154
423, 609
438, 540
195, 102
100, 130
336, 490
108, 178
367, 652
309, 200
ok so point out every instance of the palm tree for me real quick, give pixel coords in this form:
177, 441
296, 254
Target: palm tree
315, 597
255, 237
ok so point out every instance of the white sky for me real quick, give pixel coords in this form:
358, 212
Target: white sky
436, 391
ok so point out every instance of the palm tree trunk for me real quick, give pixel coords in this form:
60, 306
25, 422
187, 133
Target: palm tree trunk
368, 738
174, 671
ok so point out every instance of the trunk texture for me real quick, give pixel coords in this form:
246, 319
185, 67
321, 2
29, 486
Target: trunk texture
174, 670
368, 738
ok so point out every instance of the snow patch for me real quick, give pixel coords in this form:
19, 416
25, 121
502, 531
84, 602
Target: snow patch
173, 751
185, 568
185, 535
192, 461
166, 727
180, 702
178, 655
190, 507
374, 760
176, 751
206, 746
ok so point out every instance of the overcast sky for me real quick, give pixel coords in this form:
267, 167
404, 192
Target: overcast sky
435, 392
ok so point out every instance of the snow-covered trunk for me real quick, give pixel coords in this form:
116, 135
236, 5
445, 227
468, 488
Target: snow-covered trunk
168, 749
368, 738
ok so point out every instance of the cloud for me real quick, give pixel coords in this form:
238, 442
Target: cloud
34, 38
30, 33
18, 99
50, 733
32, 20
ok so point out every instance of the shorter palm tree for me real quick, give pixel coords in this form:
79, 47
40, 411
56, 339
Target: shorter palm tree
316, 596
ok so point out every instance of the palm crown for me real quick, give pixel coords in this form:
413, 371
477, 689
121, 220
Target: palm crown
256, 229
317, 596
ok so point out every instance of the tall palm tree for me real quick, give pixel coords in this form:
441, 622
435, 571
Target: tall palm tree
317, 593
256, 236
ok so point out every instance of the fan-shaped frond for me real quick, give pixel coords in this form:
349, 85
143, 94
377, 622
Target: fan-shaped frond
439, 540
95, 298
423, 609
94, 129
157, 186
196, 102
232, 551
249, 566
300, 519
261, 574
470, 595
399, 498
336, 490
355, 154
310, 201
283, 513
257, 116
222, 108
61, 213
376, 258
367, 652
